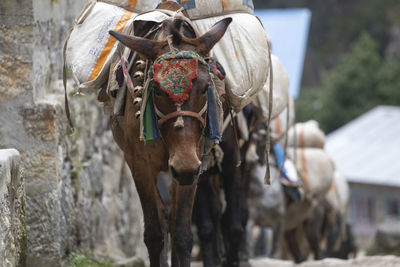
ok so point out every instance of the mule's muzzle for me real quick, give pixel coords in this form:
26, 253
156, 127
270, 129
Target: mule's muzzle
185, 177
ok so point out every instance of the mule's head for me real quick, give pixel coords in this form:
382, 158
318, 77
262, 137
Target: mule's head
181, 79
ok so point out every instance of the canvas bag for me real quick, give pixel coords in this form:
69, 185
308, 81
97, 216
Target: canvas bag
280, 90
306, 134
314, 167
281, 124
196, 9
89, 48
136, 6
244, 53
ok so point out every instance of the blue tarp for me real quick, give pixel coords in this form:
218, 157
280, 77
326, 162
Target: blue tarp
288, 31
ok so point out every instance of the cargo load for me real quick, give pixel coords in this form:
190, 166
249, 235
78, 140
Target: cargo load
306, 134
281, 124
243, 51
244, 54
89, 48
338, 195
315, 169
136, 6
280, 90
196, 9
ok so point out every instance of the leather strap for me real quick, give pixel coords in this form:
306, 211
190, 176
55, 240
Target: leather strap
65, 82
267, 178
181, 113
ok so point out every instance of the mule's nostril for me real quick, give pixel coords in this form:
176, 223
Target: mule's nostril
173, 172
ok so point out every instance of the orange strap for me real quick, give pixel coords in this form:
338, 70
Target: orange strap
224, 5
301, 136
277, 126
132, 4
304, 172
109, 45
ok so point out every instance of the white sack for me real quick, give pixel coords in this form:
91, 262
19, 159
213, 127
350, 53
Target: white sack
315, 169
338, 195
281, 124
243, 52
280, 87
198, 9
136, 6
306, 134
90, 48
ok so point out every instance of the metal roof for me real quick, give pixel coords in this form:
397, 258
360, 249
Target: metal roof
367, 150
288, 32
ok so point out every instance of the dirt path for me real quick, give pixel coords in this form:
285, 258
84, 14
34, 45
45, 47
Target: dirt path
375, 261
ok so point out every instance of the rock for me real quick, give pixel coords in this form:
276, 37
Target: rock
387, 236
12, 210
79, 194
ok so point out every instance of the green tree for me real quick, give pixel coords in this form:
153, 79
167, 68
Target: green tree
360, 81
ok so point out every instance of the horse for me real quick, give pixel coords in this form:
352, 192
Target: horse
179, 121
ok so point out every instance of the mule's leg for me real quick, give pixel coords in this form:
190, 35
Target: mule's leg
206, 214
277, 239
313, 228
293, 245
181, 222
154, 221
231, 221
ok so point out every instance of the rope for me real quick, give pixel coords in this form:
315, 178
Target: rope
67, 112
267, 178
237, 146
286, 138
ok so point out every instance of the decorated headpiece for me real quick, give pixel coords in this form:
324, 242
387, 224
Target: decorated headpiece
174, 72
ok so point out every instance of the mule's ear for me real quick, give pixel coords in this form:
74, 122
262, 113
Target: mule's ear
148, 48
207, 41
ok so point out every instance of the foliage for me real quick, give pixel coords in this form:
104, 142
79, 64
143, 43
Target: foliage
80, 260
360, 81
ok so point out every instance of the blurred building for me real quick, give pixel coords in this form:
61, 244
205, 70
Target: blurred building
367, 152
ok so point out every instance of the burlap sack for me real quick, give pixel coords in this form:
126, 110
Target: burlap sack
89, 48
315, 169
280, 93
306, 134
243, 52
281, 124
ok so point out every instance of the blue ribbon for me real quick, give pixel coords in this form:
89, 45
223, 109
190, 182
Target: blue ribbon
212, 117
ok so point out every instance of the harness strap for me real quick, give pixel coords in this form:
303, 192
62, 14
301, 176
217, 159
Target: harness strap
164, 118
181, 113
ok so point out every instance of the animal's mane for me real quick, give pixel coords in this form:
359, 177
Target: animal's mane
172, 6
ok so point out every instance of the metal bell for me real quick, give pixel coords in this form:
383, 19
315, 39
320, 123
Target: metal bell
137, 101
138, 90
138, 76
140, 64
137, 115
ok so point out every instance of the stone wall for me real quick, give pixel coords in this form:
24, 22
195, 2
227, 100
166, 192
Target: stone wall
12, 210
79, 193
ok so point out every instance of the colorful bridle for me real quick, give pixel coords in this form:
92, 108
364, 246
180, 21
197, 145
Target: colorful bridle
174, 72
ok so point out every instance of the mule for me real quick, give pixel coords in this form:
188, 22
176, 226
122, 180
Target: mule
212, 222
181, 132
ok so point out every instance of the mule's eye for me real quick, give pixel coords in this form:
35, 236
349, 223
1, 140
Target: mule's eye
158, 91
204, 90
